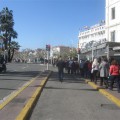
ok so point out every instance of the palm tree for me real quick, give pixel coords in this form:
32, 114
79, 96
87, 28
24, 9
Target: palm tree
7, 30
14, 46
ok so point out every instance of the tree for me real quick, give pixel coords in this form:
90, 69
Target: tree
6, 27
73, 53
14, 46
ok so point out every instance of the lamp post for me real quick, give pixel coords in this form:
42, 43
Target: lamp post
78, 52
93, 49
48, 53
83, 45
108, 51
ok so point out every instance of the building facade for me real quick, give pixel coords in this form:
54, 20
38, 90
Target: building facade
94, 33
57, 51
103, 39
112, 20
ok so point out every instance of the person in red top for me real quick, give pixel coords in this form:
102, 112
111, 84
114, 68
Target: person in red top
114, 74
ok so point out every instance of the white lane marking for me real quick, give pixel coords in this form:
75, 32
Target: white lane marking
25, 67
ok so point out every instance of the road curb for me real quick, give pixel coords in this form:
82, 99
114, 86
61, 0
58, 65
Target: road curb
15, 93
105, 93
32, 101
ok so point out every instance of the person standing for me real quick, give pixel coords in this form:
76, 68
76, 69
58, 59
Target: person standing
114, 75
89, 70
95, 70
85, 68
82, 68
60, 65
104, 72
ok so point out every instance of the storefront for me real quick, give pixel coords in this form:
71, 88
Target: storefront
107, 49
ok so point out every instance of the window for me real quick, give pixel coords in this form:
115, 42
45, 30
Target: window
113, 36
113, 13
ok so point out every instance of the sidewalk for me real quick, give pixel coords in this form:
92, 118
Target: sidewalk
73, 99
69, 99
23, 99
112, 95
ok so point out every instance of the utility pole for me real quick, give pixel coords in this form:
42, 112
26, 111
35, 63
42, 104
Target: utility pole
78, 52
48, 52
92, 51
48, 60
108, 51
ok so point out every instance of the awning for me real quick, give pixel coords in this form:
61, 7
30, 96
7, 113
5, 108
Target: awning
116, 48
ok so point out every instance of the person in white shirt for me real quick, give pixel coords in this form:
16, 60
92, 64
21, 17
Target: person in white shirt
95, 70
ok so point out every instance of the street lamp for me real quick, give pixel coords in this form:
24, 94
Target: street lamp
83, 45
93, 49
80, 49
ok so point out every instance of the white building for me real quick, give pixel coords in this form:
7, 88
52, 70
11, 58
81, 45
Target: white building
94, 33
106, 36
113, 20
57, 51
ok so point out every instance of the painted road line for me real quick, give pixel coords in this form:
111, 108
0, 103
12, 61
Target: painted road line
15, 93
32, 101
105, 93
92, 84
110, 97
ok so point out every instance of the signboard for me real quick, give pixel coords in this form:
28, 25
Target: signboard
116, 48
116, 54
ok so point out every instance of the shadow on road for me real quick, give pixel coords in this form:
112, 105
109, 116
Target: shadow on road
7, 89
69, 89
68, 78
22, 74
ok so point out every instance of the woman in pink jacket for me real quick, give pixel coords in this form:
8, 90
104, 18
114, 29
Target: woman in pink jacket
114, 75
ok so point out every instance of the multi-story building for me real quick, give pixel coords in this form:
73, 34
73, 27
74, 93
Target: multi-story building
94, 33
106, 37
57, 51
113, 20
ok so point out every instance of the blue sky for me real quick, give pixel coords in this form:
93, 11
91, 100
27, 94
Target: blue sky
54, 22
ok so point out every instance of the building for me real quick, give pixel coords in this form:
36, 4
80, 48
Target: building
57, 51
94, 33
104, 40
113, 25
113, 20
90, 38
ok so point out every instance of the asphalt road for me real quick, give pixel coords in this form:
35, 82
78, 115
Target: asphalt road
73, 99
17, 75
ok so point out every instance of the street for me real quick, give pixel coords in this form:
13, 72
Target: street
72, 99
17, 75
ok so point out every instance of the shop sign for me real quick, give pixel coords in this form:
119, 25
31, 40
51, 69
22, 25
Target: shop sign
116, 48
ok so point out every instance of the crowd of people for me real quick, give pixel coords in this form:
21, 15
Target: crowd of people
107, 72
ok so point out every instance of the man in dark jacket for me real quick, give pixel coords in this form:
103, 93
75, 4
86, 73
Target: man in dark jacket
60, 65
